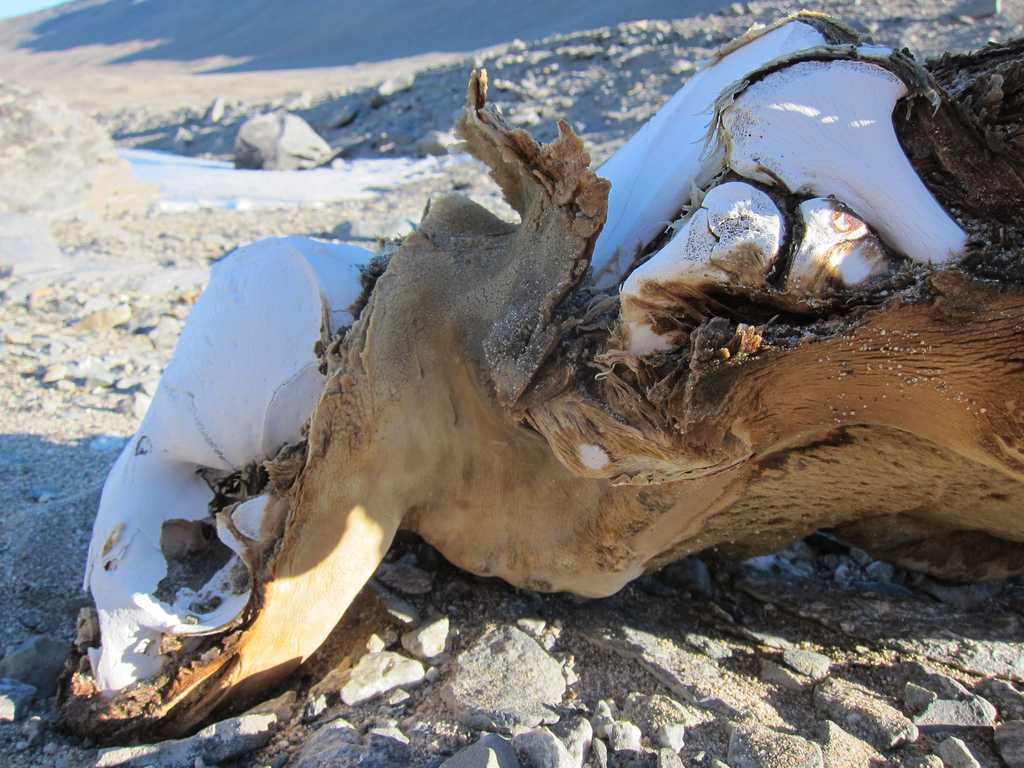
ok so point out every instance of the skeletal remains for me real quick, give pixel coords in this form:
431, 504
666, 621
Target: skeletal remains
819, 325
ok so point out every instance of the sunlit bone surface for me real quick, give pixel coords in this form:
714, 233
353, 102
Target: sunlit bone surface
485, 398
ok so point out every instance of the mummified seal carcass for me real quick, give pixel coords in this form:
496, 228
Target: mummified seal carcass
819, 324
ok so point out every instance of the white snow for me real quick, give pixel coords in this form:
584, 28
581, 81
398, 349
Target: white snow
191, 183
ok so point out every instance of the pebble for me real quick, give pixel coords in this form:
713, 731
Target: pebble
668, 759
503, 681
44, 493
15, 699
1007, 699
864, 714
756, 747
54, 373
710, 648
624, 736
428, 642
490, 751
813, 665
540, 748
602, 720
337, 744
219, 742
840, 749
37, 662
378, 673
690, 575
105, 319
599, 754
956, 754
576, 734
1010, 741
671, 736
406, 578
774, 673
879, 571
981, 9
107, 443
397, 606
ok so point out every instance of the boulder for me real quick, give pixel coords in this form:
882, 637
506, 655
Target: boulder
279, 142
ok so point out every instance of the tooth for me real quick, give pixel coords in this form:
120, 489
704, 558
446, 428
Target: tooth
652, 175
824, 128
729, 243
837, 253
242, 382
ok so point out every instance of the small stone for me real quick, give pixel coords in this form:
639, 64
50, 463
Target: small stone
1007, 699
37, 662
841, 750
396, 84
346, 113
624, 736
215, 112
773, 673
54, 373
540, 748
671, 736
107, 443
955, 754
326, 693
164, 334
435, 143
668, 759
860, 557
100, 380
397, 606
15, 699
599, 754
491, 751
532, 627
1010, 740
375, 644
864, 714
710, 648
690, 575
946, 714
916, 699
576, 734
44, 493
814, 665
378, 673
602, 719
754, 747
922, 761
105, 319
33, 731
879, 571
504, 680
428, 642
981, 9
376, 229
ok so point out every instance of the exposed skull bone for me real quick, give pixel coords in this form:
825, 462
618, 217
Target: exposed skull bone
473, 334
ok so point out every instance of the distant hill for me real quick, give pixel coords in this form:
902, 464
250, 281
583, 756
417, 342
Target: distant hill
114, 52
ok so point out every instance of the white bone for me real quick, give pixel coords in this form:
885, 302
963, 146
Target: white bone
730, 240
242, 382
824, 128
837, 251
653, 173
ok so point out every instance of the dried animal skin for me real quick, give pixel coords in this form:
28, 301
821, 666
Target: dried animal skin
481, 351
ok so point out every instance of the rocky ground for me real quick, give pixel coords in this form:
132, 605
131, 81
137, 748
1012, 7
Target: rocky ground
815, 656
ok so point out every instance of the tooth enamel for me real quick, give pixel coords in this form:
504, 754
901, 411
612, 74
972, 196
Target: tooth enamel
243, 380
728, 242
837, 252
652, 175
824, 128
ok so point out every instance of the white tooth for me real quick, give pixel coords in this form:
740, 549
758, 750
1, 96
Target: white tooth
652, 175
837, 252
824, 128
729, 242
242, 382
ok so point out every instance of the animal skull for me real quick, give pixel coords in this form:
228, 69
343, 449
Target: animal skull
679, 417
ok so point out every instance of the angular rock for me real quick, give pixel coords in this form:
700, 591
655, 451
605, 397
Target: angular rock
337, 745
57, 163
378, 673
397, 606
540, 748
956, 754
15, 699
773, 673
981, 9
279, 142
690, 575
105, 319
710, 648
864, 714
668, 759
1007, 699
653, 712
1010, 740
599, 754
396, 84
226, 740
577, 734
491, 751
504, 680
754, 747
841, 750
36, 662
624, 736
602, 720
671, 736
948, 715
428, 642
813, 665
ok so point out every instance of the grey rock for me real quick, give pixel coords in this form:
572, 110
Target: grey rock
864, 714
26, 245
956, 754
504, 680
671, 736
540, 748
916, 699
602, 720
1010, 740
345, 114
946, 714
378, 673
624, 736
943, 686
690, 575
653, 712
434, 143
412, 581
840, 749
773, 673
962, 598
215, 112
923, 761
879, 571
57, 163
226, 740
15, 699
577, 734
397, 606
106, 443
599, 754
325, 694
1007, 699
33, 730
753, 747
397, 84
940, 703
981, 9
279, 142
491, 751
165, 333
814, 665
710, 648
428, 642
44, 493
333, 746
37, 662
668, 759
